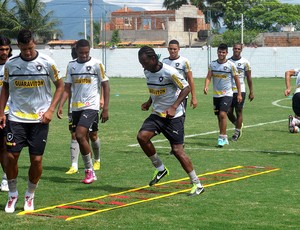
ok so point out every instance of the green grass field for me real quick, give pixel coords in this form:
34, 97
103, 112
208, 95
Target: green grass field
268, 201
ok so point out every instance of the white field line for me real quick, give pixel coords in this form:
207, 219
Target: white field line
217, 131
282, 106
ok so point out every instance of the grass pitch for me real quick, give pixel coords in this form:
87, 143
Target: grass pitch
269, 201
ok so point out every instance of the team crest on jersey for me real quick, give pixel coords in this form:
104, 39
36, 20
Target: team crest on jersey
161, 78
225, 67
39, 68
239, 64
88, 68
9, 136
177, 64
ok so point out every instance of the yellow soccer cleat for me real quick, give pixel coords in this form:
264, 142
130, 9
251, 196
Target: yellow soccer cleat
72, 170
96, 165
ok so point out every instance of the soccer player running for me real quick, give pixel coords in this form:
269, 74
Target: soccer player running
5, 53
27, 80
222, 72
244, 70
93, 134
167, 117
85, 77
294, 121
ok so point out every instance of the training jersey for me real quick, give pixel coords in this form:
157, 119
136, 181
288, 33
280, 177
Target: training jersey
297, 74
222, 74
86, 81
30, 87
1, 85
242, 65
182, 64
163, 87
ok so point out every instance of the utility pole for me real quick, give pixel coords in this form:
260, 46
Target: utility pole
91, 23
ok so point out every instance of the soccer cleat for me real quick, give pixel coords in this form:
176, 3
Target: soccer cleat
96, 165
29, 202
236, 135
90, 176
72, 170
241, 130
4, 186
196, 190
291, 124
11, 203
158, 175
222, 142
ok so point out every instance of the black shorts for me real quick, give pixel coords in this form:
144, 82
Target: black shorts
235, 104
222, 104
296, 104
172, 129
87, 118
33, 135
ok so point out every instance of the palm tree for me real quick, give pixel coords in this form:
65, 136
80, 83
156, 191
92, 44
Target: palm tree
29, 14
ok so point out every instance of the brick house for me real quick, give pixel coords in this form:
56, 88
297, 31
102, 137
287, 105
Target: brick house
141, 27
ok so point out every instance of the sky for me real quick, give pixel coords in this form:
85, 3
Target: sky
157, 4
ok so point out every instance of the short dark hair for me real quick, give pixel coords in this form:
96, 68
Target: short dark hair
148, 51
175, 42
4, 41
223, 46
82, 43
25, 36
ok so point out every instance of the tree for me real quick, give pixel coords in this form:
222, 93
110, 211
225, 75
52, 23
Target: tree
28, 14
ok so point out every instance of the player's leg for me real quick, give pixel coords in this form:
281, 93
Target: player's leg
149, 129
16, 138
239, 118
223, 104
37, 138
294, 122
231, 116
74, 149
176, 140
83, 120
95, 143
3, 160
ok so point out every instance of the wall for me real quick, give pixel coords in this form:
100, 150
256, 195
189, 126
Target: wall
265, 61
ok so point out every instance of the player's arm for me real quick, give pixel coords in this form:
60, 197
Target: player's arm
146, 105
106, 92
207, 82
288, 76
250, 85
238, 86
190, 79
59, 89
3, 100
101, 99
65, 96
182, 95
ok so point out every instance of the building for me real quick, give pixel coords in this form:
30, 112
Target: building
159, 26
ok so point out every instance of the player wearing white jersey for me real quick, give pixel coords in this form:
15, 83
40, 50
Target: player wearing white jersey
85, 76
167, 90
93, 134
183, 66
27, 80
222, 72
5, 53
294, 121
244, 71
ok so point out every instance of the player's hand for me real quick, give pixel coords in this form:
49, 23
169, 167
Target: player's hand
194, 103
287, 92
104, 116
205, 90
239, 98
145, 106
59, 113
2, 122
47, 117
170, 112
251, 96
